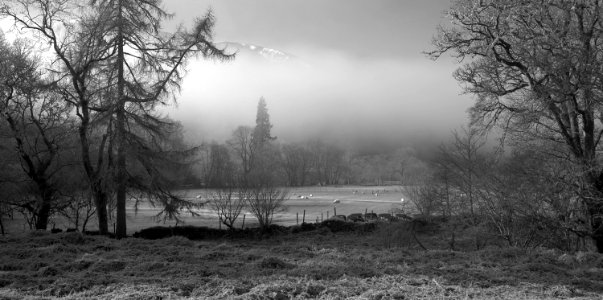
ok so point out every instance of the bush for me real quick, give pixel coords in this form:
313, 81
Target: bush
275, 263
308, 227
336, 225
189, 232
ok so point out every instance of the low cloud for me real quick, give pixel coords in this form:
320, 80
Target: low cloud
327, 95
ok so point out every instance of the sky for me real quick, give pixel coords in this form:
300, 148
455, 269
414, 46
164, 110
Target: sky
362, 78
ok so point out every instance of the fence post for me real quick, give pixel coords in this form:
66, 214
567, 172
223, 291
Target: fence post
304, 217
334, 211
243, 226
297, 218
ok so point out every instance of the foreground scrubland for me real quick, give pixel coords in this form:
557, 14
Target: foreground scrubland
381, 261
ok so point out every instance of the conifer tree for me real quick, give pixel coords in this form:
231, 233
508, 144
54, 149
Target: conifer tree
261, 133
148, 66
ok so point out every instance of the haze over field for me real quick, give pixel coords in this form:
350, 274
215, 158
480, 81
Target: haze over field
356, 75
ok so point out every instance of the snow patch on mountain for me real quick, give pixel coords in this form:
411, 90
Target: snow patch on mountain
268, 54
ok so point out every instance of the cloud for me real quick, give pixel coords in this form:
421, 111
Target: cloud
330, 95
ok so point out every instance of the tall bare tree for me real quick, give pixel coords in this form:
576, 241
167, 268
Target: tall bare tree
535, 68
72, 33
38, 126
221, 171
242, 144
120, 67
463, 159
297, 163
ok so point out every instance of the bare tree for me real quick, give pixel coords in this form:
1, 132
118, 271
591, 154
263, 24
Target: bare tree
38, 125
425, 198
296, 161
228, 203
110, 86
243, 145
79, 208
78, 52
463, 159
264, 200
535, 68
329, 165
9, 185
221, 170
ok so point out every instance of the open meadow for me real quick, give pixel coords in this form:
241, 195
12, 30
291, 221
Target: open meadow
399, 260
318, 203
382, 263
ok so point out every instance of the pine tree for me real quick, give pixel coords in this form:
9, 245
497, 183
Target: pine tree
261, 133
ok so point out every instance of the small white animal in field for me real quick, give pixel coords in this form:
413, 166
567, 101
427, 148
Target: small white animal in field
401, 199
336, 201
310, 195
199, 196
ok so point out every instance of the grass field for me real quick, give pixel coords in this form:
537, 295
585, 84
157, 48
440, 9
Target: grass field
317, 264
352, 199
386, 263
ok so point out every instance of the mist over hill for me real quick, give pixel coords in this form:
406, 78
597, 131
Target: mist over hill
318, 93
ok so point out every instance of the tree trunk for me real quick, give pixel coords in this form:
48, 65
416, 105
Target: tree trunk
43, 214
595, 211
100, 201
594, 205
598, 233
120, 224
1, 226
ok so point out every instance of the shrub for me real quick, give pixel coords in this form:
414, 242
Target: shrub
189, 232
336, 225
307, 226
275, 263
